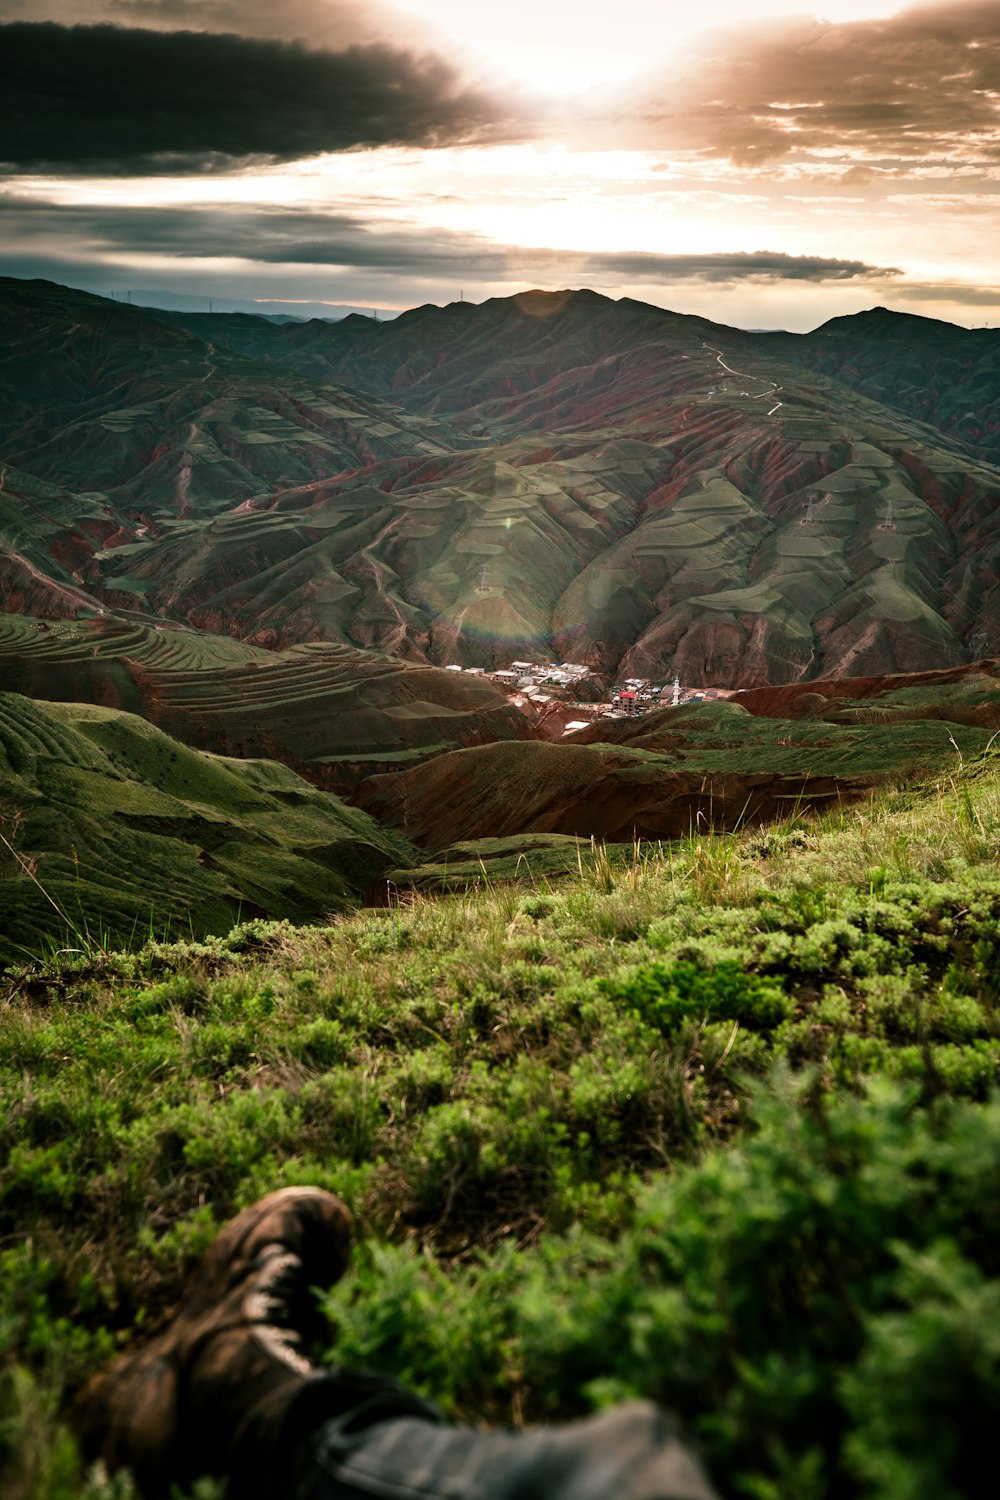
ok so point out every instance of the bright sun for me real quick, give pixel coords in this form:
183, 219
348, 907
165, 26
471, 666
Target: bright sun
572, 47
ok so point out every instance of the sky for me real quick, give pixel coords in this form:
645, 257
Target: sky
766, 163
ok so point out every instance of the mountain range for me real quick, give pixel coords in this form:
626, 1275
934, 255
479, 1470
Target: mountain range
267, 541
552, 475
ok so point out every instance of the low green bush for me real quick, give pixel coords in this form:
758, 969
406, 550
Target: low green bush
664, 995
819, 1302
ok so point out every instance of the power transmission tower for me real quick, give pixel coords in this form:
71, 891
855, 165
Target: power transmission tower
888, 524
978, 644
810, 508
676, 696
484, 579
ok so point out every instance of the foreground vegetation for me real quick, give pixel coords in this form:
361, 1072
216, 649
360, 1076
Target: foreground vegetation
714, 1122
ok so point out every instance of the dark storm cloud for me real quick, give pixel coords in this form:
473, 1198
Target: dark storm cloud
261, 235
323, 23
121, 100
921, 86
310, 238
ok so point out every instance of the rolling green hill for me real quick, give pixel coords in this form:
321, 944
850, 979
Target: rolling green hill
110, 831
332, 713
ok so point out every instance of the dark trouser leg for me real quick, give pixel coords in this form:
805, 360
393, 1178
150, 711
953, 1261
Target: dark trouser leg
630, 1453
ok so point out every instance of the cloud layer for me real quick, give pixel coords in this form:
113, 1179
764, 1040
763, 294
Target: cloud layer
114, 99
267, 236
918, 88
876, 140
333, 24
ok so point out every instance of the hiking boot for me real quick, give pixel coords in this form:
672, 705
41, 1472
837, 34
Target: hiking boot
232, 1361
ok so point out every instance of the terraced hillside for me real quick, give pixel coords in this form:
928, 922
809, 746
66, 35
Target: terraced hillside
558, 475
459, 559
947, 376
96, 395
112, 831
729, 546
47, 536
332, 713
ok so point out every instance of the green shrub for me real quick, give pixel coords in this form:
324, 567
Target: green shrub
665, 995
820, 1303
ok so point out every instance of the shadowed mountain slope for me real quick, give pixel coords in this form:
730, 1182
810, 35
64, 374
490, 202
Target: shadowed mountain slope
670, 774
47, 537
922, 367
95, 395
453, 358
588, 791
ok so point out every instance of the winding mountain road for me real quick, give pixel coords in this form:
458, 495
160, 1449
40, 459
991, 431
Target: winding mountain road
772, 385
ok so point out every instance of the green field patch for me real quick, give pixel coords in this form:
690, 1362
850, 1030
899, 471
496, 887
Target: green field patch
721, 736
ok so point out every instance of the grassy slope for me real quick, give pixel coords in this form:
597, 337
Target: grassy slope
110, 828
722, 736
546, 1088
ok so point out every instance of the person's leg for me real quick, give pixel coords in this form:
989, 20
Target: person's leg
227, 1390
632, 1452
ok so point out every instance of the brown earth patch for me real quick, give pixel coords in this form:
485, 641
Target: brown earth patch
497, 791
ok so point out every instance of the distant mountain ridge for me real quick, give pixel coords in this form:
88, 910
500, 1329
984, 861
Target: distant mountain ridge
946, 376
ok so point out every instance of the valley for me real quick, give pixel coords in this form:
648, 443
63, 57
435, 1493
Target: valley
270, 540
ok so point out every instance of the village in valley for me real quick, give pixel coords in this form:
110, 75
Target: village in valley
553, 688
